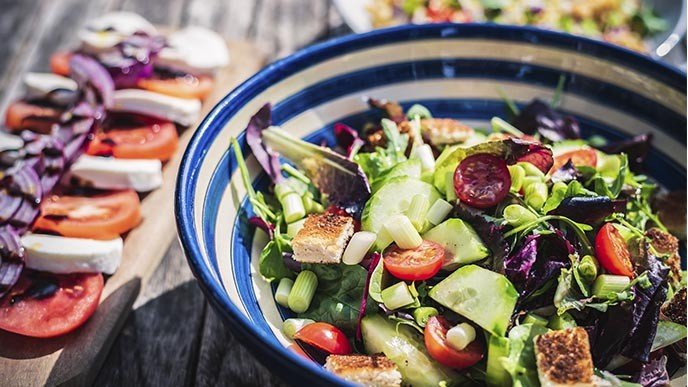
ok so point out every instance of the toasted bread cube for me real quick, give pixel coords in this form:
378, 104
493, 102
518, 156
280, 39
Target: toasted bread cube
323, 238
372, 371
445, 131
668, 246
564, 359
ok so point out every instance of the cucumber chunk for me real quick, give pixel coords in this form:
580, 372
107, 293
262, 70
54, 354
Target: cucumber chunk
409, 168
461, 243
496, 374
482, 296
391, 199
405, 348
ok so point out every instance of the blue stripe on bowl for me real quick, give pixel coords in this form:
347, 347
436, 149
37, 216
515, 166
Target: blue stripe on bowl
205, 266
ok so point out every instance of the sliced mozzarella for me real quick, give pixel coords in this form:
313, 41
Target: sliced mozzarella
180, 110
62, 255
39, 85
194, 50
10, 141
112, 173
105, 32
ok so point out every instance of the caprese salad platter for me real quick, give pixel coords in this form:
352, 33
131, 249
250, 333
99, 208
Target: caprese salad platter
87, 156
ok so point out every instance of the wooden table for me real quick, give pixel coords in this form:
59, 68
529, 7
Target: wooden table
172, 337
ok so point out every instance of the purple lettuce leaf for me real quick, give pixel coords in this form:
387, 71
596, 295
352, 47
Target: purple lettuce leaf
265, 156
566, 173
653, 374
527, 151
636, 148
588, 209
539, 117
490, 232
347, 138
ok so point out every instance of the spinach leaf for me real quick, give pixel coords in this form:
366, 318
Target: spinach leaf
271, 263
520, 363
338, 297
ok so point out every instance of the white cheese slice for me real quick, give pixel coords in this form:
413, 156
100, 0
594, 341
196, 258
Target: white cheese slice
105, 32
194, 50
180, 110
41, 84
113, 173
62, 255
10, 141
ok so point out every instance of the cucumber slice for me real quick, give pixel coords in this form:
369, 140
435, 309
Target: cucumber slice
393, 199
406, 349
496, 374
482, 296
460, 241
410, 168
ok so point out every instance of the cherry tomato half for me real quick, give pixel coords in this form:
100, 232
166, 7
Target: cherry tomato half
580, 158
102, 217
156, 141
417, 264
612, 252
435, 336
188, 86
326, 337
40, 119
482, 180
74, 301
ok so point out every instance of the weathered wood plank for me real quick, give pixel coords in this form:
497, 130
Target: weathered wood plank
16, 21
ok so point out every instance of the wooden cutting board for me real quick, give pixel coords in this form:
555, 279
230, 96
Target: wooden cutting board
75, 359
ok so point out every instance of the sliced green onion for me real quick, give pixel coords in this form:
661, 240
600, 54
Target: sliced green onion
292, 325
607, 285
293, 228
418, 211
298, 186
384, 239
559, 187
460, 336
531, 170
517, 215
397, 296
563, 321
587, 269
517, 175
499, 125
426, 157
418, 110
288, 168
423, 314
536, 195
439, 211
358, 247
283, 290
535, 319
529, 180
303, 291
402, 232
282, 190
449, 183
293, 207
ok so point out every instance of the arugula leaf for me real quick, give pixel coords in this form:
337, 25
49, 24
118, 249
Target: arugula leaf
338, 297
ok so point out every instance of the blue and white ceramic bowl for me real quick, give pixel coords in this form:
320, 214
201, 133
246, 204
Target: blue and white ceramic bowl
455, 70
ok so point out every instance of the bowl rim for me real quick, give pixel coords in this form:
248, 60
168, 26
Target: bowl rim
282, 360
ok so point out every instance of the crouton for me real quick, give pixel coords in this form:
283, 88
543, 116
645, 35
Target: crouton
675, 309
323, 238
564, 359
373, 371
441, 131
667, 245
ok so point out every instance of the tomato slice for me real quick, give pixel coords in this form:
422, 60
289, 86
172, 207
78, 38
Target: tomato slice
101, 217
30, 312
482, 180
187, 86
580, 158
612, 252
325, 337
21, 115
435, 336
417, 264
156, 141
59, 63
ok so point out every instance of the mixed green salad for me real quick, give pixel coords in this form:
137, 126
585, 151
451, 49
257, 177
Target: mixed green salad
421, 251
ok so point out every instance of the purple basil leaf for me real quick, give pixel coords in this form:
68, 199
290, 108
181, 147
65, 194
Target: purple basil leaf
265, 156
490, 232
89, 73
588, 209
518, 266
653, 374
539, 117
566, 173
347, 138
636, 148
132, 59
268, 228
